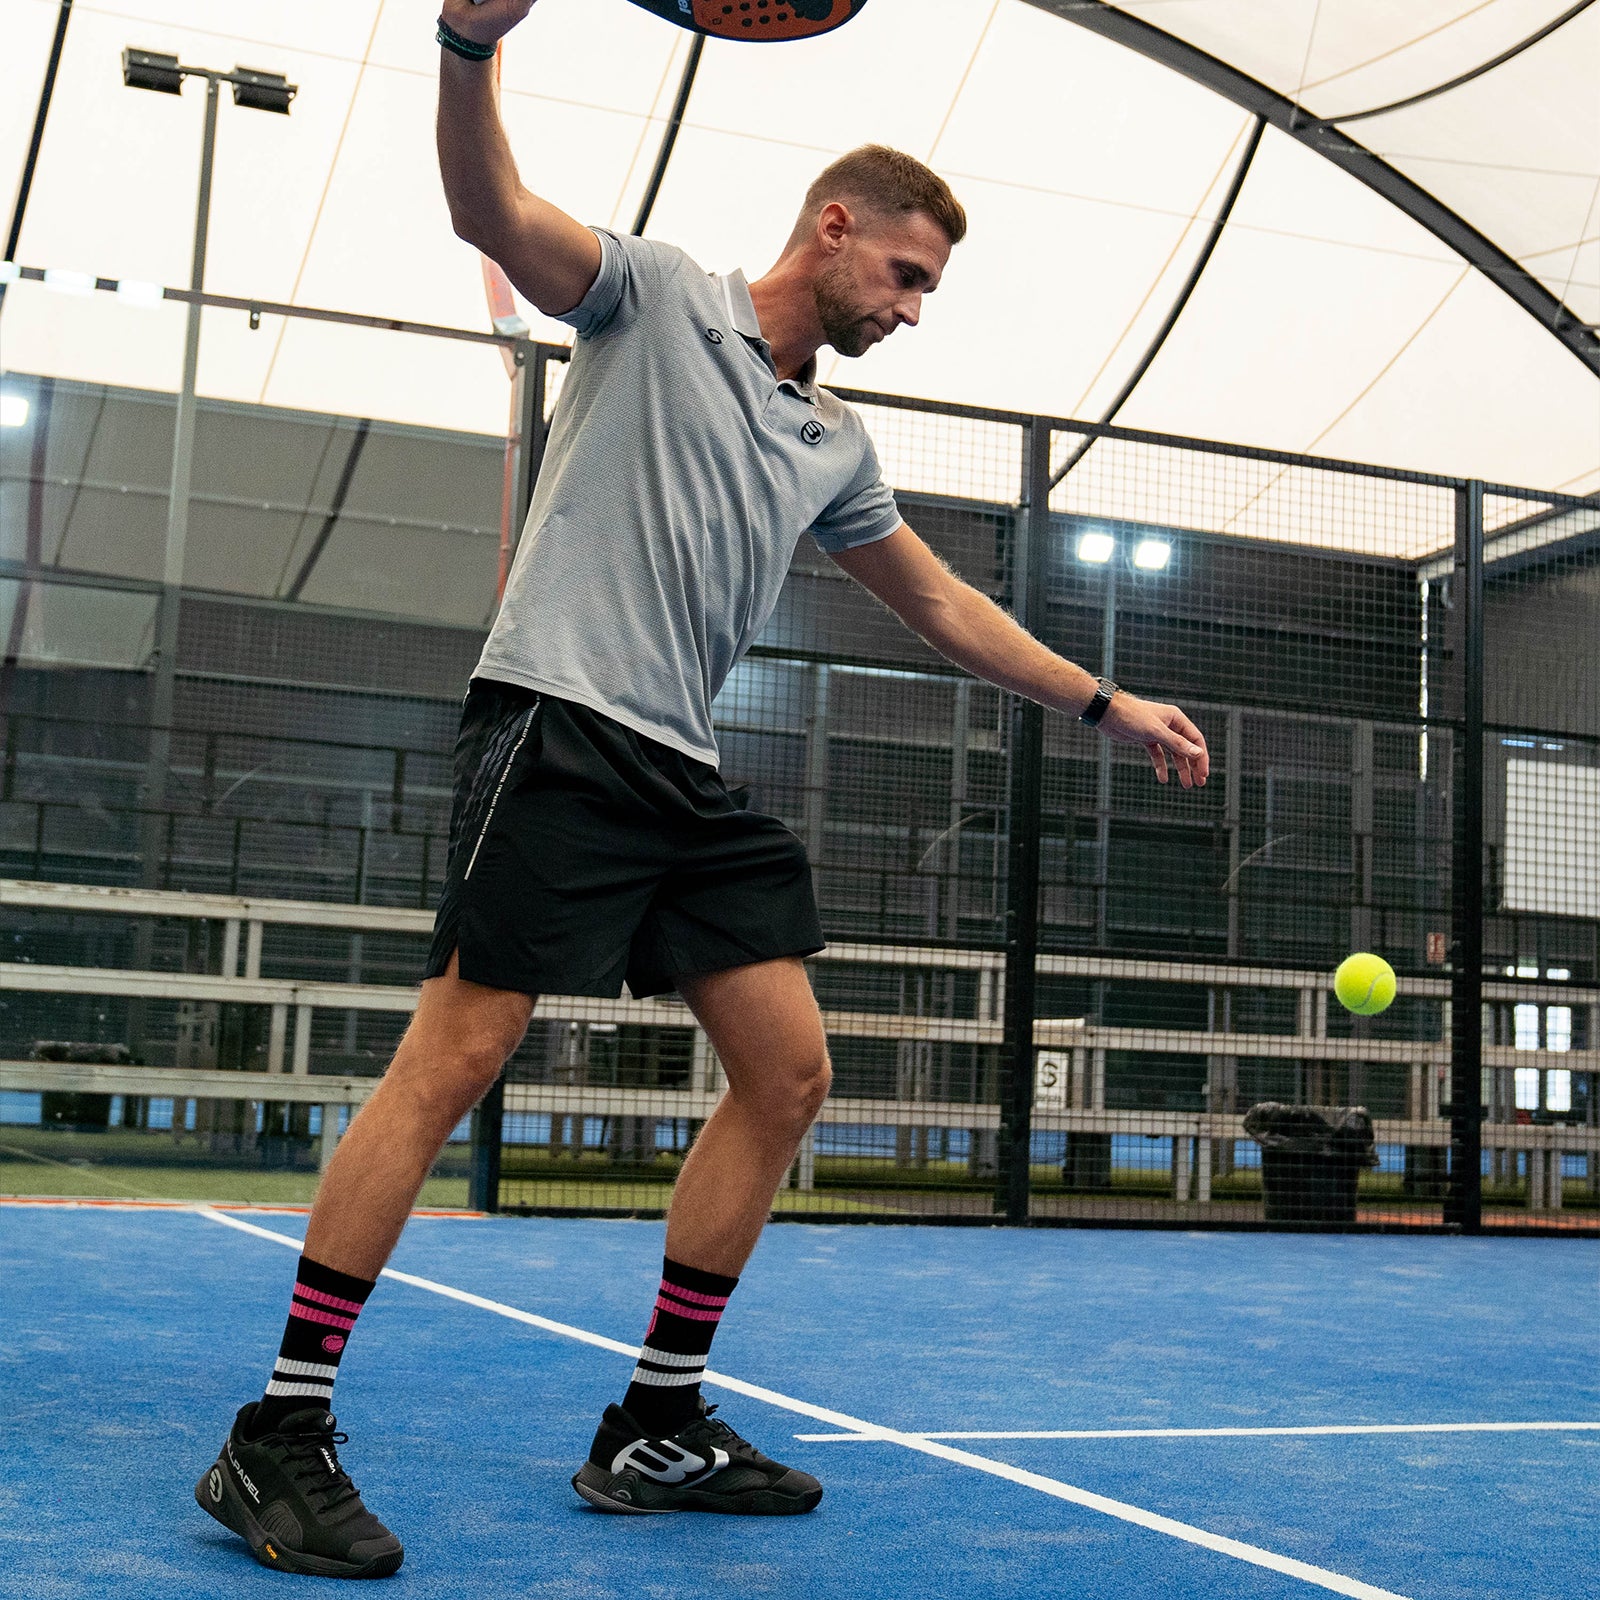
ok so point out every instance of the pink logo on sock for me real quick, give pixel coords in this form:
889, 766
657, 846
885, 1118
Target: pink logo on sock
333, 1344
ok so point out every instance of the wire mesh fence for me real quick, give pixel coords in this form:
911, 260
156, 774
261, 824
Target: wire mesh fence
1055, 987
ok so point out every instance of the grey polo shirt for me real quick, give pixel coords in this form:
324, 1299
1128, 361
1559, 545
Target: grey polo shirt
678, 476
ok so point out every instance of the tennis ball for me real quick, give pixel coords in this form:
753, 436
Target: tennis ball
1364, 984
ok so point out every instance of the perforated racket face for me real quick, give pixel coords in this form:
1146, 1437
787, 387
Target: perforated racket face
757, 21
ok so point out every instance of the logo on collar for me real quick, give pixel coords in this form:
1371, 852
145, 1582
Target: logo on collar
714, 335
812, 432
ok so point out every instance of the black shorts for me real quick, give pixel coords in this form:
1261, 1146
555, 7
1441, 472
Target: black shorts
583, 854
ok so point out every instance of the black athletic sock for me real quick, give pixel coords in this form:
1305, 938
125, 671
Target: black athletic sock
322, 1312
665, 1392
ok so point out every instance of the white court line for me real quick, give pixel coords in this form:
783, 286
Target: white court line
1319, 1576
1222, 1433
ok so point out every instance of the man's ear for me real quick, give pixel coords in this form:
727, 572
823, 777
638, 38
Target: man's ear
834, 222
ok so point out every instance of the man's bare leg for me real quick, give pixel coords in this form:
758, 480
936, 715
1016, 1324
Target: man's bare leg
454, 1049
763, 1023
658, 1451
456, 1045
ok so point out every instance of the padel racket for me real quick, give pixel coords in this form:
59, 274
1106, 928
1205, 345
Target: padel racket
756, 21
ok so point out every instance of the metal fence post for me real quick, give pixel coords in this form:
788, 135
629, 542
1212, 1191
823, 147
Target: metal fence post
1022, 858
488, 1121
1464, 1205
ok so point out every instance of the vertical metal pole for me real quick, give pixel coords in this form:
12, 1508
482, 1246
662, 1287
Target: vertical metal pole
532, 362
1102, 820
1464, 1205
1023, 829
950, 880
816, 791
166, 655
488, 1124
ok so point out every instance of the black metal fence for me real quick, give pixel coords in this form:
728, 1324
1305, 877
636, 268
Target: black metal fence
1056, 986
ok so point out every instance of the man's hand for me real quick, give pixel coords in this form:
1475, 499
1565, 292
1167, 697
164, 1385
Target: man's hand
486, 23
1163, 731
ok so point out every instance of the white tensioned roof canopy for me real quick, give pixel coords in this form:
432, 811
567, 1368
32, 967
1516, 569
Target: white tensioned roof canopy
1414, 286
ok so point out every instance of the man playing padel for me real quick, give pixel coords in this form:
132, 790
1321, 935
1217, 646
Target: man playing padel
592, 840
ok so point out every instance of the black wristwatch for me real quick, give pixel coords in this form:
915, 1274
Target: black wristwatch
1096, 708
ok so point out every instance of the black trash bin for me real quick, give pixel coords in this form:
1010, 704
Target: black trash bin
1311, 1157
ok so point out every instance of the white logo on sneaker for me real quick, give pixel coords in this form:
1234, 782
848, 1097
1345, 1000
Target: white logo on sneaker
666, 1461
214, 1484
244, 1477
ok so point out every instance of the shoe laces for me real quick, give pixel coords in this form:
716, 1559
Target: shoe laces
722, 1433
313, 1460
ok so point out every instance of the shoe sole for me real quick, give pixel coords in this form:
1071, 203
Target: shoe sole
217, 1497
599, 1487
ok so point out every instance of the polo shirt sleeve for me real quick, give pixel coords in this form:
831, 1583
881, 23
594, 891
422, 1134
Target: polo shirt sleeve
632, 272
864, 511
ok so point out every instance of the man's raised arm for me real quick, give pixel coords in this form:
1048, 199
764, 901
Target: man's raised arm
551, 258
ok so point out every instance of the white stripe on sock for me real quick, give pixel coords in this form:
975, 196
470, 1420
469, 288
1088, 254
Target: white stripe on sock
316, 1391
285, 1368
666, 1380
670, 1358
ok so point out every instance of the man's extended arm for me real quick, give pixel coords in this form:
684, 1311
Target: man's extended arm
548, 255
969, 629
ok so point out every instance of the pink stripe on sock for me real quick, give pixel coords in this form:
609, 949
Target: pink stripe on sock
311, 1314
330, 1300
663, 1304
691, 1295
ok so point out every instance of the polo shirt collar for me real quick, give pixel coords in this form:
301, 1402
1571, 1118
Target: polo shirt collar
742, 314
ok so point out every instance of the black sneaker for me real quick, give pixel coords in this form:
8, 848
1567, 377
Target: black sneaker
287, 1496
704, 1466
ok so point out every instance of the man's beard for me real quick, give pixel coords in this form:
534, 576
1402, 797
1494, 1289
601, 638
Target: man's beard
846, 328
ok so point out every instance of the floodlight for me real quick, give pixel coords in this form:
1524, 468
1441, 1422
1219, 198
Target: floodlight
139, 293
1096, 547
65, 281
13, 411
1152, 554
9, 272
262, 91
149, 69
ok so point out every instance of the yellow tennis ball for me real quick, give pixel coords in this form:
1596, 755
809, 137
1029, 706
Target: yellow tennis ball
1364, 984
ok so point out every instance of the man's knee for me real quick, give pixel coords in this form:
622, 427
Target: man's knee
452, 1074
791, 1094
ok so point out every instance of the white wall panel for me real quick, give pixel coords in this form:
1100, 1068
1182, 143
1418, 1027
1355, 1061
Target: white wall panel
1289, 325
1461, 398
1552, 839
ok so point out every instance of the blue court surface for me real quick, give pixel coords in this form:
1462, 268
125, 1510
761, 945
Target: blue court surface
1149, 1368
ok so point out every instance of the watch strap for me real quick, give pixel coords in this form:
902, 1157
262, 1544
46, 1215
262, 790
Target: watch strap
1105, 689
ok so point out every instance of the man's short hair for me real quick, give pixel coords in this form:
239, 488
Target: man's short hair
889, 182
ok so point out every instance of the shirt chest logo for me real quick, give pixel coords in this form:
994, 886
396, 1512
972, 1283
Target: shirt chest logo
714, 335
813, 432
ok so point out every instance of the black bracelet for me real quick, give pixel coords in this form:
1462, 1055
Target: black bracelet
467, 49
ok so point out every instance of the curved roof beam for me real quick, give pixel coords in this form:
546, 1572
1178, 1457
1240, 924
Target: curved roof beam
1290, 118
1465, 77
